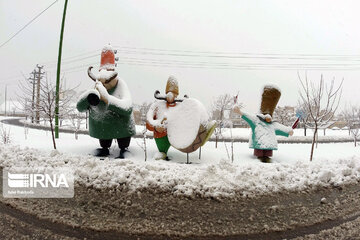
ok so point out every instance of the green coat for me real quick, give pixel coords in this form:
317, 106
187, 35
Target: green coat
110, 121
263, 134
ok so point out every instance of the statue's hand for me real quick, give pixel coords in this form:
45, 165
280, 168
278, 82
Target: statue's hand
160, 129
237, 110
104, 95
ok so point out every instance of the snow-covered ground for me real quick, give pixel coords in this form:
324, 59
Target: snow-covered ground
214, 175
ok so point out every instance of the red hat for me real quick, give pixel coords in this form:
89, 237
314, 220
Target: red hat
107, 58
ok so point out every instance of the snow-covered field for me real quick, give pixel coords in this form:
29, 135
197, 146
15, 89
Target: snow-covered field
214, 175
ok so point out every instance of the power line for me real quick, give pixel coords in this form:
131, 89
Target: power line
172, 51
279, 63
75, 56
154, 64
27, 24
274, 57
238, 63
219, 65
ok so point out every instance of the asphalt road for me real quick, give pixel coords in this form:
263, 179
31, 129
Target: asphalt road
154, 214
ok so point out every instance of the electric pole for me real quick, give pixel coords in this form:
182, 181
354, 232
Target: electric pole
39, 76
33, 81
5, 98
58, 73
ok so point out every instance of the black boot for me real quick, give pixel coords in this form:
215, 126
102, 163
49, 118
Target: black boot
122, 153
265, 159
102, 152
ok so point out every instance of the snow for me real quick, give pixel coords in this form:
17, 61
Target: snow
212, 176
122, 92
121, 97
85, 94
183, 122
107, 47
104, 74
271, 86
158, 107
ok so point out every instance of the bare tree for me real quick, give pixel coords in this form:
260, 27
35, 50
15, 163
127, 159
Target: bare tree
229, 124
46, 101
320, 102
140, 111
220, 106
143, 109
143, 144
5, 135
25, 99
285, 115
304, 116
77, 119
26, 129
47, 104
352, 119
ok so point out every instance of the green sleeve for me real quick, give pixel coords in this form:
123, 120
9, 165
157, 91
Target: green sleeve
249, 119
281, 130
82, 105
281, 133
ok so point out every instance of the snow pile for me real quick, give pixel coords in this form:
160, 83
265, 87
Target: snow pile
220, 179
183, 122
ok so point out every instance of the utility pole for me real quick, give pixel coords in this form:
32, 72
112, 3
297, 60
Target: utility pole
58, 73
33, 81
5, 98
39, 76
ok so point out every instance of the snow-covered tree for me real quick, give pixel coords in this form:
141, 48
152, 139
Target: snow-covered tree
352, 118
285, 115
5, 134
320, 101
304, 119
47, 104
26, 99
77, 119
140, 111
46, 101
142, 145
221, 108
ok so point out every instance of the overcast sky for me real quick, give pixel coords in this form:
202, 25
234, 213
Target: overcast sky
211, 47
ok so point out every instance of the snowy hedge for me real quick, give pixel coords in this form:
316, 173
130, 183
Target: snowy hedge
221, 179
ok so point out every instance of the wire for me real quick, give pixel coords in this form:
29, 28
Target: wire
27, 24
174, 54
75, 56
241, 63
236, 53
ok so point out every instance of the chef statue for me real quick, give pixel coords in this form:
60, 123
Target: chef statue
181, 123
264, 129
